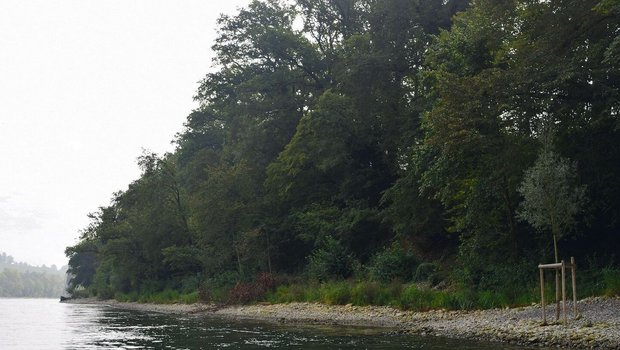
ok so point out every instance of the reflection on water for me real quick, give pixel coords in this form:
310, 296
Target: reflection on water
48, 324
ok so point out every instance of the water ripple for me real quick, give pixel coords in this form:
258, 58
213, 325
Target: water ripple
41, 324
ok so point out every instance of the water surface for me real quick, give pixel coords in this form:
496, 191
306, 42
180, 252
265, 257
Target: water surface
41, 324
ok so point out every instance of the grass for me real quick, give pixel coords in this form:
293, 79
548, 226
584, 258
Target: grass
408, 296
167, 296
611, 280
403, 296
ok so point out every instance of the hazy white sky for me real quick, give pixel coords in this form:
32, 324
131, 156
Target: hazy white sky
84, 86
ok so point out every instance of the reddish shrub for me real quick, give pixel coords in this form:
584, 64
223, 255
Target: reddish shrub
242, 293
265, 282
204, 293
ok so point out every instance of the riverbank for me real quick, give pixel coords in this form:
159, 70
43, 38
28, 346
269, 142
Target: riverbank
598, 326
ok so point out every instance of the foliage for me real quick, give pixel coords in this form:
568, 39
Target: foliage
611, 280
167, 296
330, 261
391, 263
365, 293
415, 298
329, 130
427, 272
551, 198
20, 280
16, 284
243, 293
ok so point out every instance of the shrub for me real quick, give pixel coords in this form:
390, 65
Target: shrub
126, 297
441, 300
462, 300
189, 283
491, 299
282, 294
189, 298
427, 272
265, 282
242, 293
335, 293
413, 298
105, 293
365, 293
311, 293
205, 294
390, 294
611, 279
81, 292
392, 263
330, 261
216, 289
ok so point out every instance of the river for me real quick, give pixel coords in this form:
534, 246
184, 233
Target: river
41, 324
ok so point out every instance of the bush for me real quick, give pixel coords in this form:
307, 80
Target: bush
441, 300
335, 293
362, 293
242, 293
392, 263
284, 294
105, 293
163, 297
126, 297
427, 272
462, 300
189, 283
216, 289
611, 280
413, 298
81, 292
263, 286
330, 261
390, 294
205, 294
265, 282
365, 293
189, 298
491, 299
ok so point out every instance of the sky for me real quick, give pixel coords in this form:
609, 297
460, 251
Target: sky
85, 86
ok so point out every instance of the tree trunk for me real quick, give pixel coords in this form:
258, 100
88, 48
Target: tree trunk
557, 275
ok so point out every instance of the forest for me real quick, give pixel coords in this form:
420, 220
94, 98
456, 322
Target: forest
20, 280
362, 147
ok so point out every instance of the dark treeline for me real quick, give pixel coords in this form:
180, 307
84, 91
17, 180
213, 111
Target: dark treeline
19, 279
446, 140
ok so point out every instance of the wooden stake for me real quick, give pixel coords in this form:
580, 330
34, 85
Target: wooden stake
557, 295
542, 295
572, 278
564, 290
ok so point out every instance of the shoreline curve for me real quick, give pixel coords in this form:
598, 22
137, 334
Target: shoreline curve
597, 327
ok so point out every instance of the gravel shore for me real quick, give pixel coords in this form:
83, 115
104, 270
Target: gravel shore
598, 326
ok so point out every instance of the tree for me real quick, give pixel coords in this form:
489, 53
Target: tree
82, 263
551, 196
374, 122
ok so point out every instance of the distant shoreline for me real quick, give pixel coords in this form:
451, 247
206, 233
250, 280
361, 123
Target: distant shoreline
598, 327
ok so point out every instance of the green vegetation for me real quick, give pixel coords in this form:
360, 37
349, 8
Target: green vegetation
380, 152
20, 280
167, 296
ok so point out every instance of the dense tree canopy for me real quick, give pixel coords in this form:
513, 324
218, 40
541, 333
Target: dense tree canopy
333, 135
